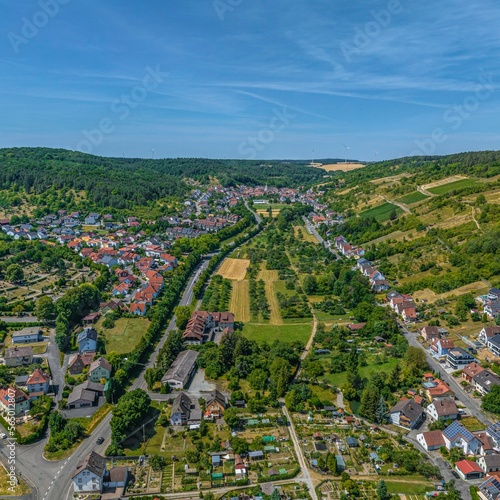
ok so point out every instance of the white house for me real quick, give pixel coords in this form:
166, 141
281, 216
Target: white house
443, 409
89, 474
431, 440
457, 436
87, 340
26, 335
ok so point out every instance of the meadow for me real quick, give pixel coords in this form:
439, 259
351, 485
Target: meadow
382, 212
125, 335
413, 197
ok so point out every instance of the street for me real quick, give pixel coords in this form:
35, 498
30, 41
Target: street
320, 238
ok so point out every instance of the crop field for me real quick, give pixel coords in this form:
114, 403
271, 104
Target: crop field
240, 301
451, 186
414, 197
382, 213
269, 278
125, 335
339, 167
234, 269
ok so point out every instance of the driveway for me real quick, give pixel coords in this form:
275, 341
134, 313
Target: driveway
199, 385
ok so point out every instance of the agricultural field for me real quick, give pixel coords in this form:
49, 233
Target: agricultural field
240, 305
410, 198
339, 167
234, 269
382, 213
125, 335
269, 278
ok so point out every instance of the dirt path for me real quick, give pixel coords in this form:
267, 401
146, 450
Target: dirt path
402, 206
420, 189
269, 277
474, 219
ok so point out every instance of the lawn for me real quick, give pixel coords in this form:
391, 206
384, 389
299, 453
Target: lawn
415, 486
305, 233
286, 333
413, 197
125, 335
382, 212
451, 186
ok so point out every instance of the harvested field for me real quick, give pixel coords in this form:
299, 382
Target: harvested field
234, 269
269, 278
240, 301
339, 167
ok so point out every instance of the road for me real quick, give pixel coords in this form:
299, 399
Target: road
298, 450
461, 395
52, 480
402, 206
21, 319
258, 218
320, 238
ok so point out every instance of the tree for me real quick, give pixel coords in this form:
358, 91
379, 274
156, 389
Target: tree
157, 462
182, 315
380, 413
232, 418
310, 284
369, 403
382, 492
45, 309
14, 273
491, 401
280, 374
239, 446
258, 379
331, 463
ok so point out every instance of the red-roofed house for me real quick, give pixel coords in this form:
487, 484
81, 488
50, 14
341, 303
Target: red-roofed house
467, 469
38, 383
16, 397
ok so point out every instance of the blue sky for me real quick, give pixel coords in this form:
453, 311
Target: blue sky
251, 78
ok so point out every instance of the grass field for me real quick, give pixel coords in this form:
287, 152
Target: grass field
476, 288
285, 333
269, 278
418, 486
305, 233
234, 269
450, 186
382, 213
20, 489
240, 301
414, 197
125, 335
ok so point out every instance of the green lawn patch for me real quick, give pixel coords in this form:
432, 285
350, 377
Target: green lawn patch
419, 485
285, 333
382, 213
413, 197
452, 186
125, 335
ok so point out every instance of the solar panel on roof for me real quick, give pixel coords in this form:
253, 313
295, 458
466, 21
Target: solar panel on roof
455, 429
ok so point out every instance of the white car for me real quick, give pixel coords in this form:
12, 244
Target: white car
3, 435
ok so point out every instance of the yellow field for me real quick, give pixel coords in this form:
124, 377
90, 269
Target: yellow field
234, 269
392, 178
442, 182
307, 236
476, 288
339, 167
264, 213
269, 278
240, 301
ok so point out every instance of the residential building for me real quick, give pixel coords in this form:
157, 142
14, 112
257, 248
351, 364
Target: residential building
77, 362
487, 333
18, 356
490, 489
457, 358
485, 380
471, 370
116, 477
457, 436
38, 383
215, 405
442, 346
12, 398
437, 390
492, 309
431, 440
429, 333
87, 340
489, 463
27, 335
100, 369
494, 432
493, 344
407, 413
181, 370
84, 395
89, 474
185, 411
443, 409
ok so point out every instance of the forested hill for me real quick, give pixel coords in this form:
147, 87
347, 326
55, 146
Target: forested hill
483, 164
125, 182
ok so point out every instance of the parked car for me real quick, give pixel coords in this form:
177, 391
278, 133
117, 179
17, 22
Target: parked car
3, 435
100, 440
455, 474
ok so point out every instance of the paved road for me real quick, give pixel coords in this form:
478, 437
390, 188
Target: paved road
22, 319
320, 238
461, 395
298, 450
258, 218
